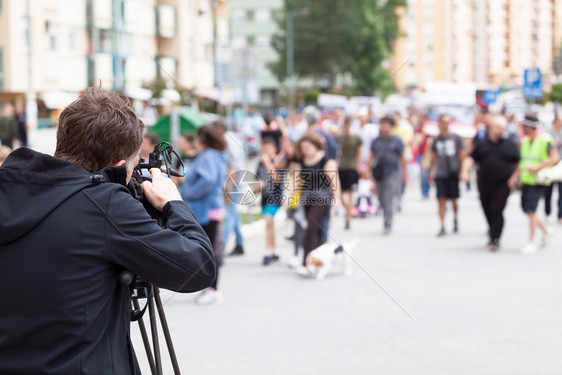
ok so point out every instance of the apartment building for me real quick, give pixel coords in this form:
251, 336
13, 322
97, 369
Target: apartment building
253, 27
478, 41
62, 46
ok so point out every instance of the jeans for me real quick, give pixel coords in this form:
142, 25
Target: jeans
233, 223
424, 178
387, 191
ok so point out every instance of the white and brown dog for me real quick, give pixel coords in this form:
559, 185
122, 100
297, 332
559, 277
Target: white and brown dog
321, 260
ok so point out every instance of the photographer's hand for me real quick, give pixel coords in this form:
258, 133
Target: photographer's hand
161, 190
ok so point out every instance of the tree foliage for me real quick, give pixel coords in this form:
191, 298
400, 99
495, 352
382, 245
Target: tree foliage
341, 36
555, 95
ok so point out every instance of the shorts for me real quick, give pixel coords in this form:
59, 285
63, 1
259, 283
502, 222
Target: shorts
530, 197
269, 209
348, 178
447, 188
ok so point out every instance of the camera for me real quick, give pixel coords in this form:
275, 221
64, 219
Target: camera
162, 157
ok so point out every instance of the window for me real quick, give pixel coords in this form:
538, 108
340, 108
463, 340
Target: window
127, 45
72, 41
238, 42
262, 41
104, 44
1, 67
209, 53
262, 15
238, 15
25, 32
166, 21
51, 33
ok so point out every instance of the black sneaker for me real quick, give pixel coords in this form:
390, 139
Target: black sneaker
347, 225
494, 245
266, 260
238, 250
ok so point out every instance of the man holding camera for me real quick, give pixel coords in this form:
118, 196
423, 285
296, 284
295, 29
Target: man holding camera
69, 227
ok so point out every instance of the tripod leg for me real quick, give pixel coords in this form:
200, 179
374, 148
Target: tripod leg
154, 330
144, 335
166, 331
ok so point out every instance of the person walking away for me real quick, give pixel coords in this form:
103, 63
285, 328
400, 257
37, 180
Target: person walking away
556, 133
8, 125
389, 169
444, 170
320, 187
271, 175
538, 151
497, 158
349, 166
202, 189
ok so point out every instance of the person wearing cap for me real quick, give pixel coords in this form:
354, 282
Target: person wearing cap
538, 151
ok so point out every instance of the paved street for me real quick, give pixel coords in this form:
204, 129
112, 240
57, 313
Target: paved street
415, 304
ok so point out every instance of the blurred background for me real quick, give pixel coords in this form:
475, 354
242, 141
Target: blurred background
180, 59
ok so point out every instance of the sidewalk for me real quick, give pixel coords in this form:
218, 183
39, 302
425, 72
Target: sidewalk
415, 304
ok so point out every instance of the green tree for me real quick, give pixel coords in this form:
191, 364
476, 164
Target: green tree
341, 36
555, 95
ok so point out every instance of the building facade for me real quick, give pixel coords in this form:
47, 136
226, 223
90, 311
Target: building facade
487, 42
253, 26
62, 46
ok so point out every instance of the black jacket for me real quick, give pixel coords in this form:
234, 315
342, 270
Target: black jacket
65, 236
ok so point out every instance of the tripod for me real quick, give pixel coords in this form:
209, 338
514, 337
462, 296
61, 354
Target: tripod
144, 289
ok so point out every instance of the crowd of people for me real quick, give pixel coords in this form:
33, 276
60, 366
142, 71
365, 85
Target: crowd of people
311, 162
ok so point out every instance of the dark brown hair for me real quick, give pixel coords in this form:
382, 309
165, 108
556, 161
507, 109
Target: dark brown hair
313, 138
389, 120
97, 130
212, 136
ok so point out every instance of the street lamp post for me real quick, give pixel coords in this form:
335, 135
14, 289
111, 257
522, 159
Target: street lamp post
291, 14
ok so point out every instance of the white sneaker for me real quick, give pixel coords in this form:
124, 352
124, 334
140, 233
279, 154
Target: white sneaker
528, 249
208, 297
547, 236
302, 271
294, 262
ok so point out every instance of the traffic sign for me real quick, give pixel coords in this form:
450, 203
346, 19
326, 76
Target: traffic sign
532, 83
491, 96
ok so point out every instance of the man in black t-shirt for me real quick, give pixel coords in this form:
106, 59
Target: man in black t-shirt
497, 159
447, 153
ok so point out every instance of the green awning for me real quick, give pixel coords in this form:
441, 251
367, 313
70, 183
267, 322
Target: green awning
190, 121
